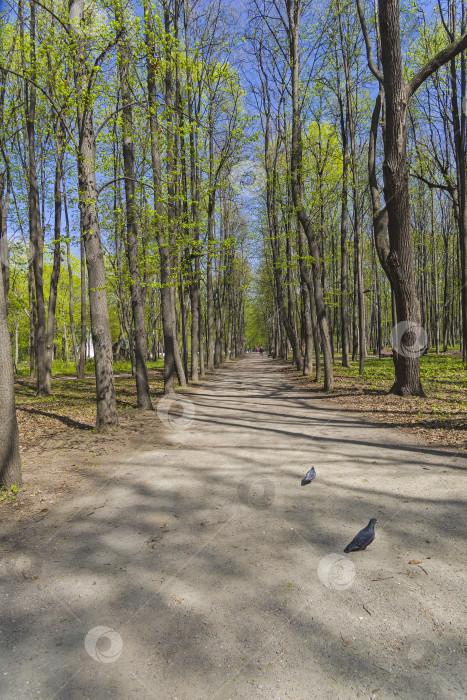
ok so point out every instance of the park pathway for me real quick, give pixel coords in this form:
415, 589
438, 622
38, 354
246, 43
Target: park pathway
202, 569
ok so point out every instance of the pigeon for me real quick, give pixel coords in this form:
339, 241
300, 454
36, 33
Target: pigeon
309, 476
364, 538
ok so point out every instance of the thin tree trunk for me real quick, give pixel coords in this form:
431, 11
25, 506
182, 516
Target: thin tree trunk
167, 304
35, 230
195, 198
201, 338
82, 348
307, 301
209, 285
55, 275
137, 305
71, 303
344, 232
32, 322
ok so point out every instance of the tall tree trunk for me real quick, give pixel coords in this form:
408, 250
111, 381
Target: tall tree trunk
167, 304
209, 285
218, 341
35, 229
4, 263
195, 197
183, 319
32, 322
137, 305
171, 16
10, 462
434, 263
71, 300
344, 308
459, 121
201, 337
82, 347
396, 254
396, 192
275, 243
100, 323
293, 12
307, 300
55, 275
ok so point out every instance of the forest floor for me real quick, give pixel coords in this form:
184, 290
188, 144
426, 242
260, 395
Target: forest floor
184, 560
439, 419
59, 444
58, 437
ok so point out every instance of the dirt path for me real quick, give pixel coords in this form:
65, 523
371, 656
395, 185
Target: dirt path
222, 577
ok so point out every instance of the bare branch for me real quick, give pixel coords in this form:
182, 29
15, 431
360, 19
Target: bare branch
436, 62
47, 96
117, 179
369, 52
432, 185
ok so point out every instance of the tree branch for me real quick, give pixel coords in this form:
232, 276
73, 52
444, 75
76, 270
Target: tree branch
47, 9
112, 114
436, 62
432, 185
369, 52
117, 179
47, 96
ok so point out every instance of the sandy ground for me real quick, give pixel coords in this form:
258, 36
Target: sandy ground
202, 569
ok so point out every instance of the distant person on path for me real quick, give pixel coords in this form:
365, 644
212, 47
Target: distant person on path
260, 350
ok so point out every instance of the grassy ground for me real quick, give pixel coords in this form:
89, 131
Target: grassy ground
440, 419
67, 369
72, 404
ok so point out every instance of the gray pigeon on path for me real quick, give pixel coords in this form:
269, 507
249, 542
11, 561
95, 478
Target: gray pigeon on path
309, 476
364, 538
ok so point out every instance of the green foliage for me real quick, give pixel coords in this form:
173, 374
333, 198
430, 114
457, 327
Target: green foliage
435, 369
8, 494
